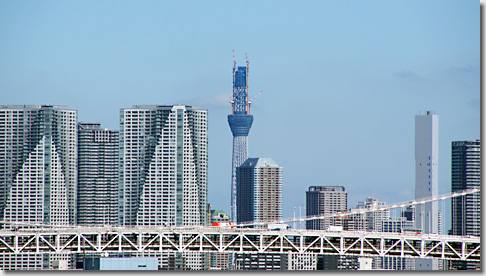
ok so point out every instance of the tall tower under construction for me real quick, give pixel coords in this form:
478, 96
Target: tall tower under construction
240, 122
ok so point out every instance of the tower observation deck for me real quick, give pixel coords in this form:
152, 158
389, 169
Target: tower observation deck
240, 122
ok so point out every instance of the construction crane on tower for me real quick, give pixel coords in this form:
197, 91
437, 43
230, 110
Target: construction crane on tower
251, 100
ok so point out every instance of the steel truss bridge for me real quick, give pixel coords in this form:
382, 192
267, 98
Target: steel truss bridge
207, 239
77, 239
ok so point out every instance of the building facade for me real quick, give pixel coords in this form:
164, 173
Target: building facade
163, 162
466, 210
427, 179
38, 173
259, 190
261, 261
466, 174
38, 169
115, 263
325, 200
302, 261
97, 175
380, 221
163, 172
219, 260
427, 171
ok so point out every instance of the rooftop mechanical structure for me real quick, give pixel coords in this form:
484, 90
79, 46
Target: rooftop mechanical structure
240, 122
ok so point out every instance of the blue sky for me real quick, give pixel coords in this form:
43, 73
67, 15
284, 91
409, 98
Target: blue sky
341, 80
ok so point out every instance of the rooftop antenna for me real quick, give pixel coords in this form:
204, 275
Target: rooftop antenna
232, 100
247, 84
234, 66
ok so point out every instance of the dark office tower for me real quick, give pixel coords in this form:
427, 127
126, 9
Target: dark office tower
466, 174
97, 175
259, 190
240, 122
38, 167
324, 200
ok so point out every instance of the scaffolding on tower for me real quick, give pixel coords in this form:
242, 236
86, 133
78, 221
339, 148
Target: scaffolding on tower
240, 121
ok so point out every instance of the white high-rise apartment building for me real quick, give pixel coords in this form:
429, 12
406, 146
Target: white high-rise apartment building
163, 159
38, 172
427, 178
38, 164
163, 171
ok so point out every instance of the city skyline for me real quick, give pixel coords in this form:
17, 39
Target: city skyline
341, 82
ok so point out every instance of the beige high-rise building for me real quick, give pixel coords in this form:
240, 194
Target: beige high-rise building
323, 200
259, 190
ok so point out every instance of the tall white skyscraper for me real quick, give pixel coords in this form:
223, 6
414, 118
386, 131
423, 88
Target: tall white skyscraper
427, 178
163, 159
427, 170
38, 173
163, 172
38, 164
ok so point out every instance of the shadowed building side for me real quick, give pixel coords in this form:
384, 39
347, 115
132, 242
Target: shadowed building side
259, 189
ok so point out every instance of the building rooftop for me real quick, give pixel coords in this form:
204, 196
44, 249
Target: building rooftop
259, 162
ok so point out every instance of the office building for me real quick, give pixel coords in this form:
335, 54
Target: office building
302, 261
427, 179
466, 174
427, 170
219, 216
259, 199
260, 261
97, 175
115, 263
381, 221
466, 210
219, 260
259, 190
367, 221
38, 173
240, 122
163, 171
337, 262
325, 200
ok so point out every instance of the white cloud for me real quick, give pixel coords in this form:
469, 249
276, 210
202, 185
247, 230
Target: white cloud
222, 99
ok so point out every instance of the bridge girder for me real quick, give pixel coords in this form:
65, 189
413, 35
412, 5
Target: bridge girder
364, 244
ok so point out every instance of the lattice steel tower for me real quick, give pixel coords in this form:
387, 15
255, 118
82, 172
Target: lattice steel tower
240, 122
